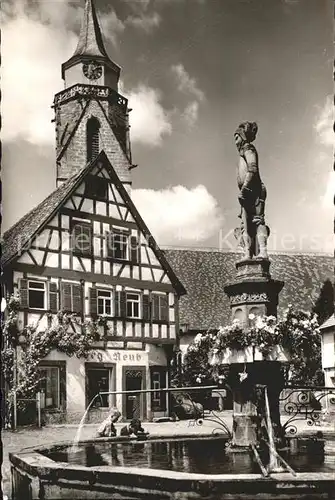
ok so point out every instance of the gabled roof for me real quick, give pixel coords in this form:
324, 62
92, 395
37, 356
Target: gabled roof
21, 233
205, 273
329, 323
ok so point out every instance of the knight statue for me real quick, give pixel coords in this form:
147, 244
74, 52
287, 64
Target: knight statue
253, 232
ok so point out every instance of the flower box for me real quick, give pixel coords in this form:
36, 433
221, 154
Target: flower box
249, 354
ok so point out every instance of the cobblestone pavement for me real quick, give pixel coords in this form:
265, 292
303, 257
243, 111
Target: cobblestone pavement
24, 438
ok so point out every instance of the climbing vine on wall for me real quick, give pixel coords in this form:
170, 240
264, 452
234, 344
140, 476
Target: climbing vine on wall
66, 333
297, 334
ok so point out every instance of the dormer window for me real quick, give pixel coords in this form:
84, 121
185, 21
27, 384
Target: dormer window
121, 245
117, 244
96, 187
81, 238
92, 137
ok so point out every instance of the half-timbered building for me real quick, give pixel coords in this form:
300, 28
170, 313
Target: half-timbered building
85, 250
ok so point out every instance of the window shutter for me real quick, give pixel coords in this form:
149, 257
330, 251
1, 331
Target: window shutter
62, 385
66, 296
93, 301
75, 234
76, 299
134, 249
81, 238
89, 235
123, 304
53, 297
146, 308
155, 307
117, 304
164, 308
110, 244
24, 294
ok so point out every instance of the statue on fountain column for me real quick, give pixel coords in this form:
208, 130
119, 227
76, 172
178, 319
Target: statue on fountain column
252, 196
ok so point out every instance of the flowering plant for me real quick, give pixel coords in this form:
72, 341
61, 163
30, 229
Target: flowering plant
297, 334
66, 333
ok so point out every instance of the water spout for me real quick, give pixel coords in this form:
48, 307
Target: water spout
74, 447
274, 464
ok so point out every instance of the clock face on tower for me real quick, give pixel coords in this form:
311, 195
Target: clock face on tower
92, 70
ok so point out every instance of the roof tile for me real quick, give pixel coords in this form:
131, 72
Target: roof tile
204, 275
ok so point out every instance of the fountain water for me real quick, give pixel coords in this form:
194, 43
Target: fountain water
274, 463
74, 447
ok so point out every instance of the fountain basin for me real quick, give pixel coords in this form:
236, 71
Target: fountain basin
35, 475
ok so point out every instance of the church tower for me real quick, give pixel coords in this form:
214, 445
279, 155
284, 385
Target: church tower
90, 114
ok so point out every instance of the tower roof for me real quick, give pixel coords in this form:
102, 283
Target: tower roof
90, 42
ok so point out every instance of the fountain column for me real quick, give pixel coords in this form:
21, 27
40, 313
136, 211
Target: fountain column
253, 292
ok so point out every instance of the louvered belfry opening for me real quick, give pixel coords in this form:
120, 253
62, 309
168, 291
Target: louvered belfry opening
92, 136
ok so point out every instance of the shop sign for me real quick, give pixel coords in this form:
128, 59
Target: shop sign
126, 356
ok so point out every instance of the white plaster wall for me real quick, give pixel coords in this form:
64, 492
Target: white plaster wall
185, 341
75, 381
75, 371
330, 378
328, 349
157, 356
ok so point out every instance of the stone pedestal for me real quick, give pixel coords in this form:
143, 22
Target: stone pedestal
253, 292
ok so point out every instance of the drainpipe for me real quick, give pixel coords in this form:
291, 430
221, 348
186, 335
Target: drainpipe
82, 284
15, 388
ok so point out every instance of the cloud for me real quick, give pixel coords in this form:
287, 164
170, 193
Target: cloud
149, 121
145, 22
139, 5
37, 39
190, 114
325, 122
111, 26
186, 83
178, 215
327, 200
188, 86
32, 54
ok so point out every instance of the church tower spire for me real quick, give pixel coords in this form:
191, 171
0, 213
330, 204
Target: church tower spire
90, 114
90, 41
91, 53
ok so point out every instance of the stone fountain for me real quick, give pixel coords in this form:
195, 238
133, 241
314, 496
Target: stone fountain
252, 293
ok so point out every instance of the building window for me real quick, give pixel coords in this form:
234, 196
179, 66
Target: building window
50, 387
97, 382
96, 187
81, 238
160, 307
117, 244
156, 385
36, 294
133, 305
158, 381
104, 299
92, 135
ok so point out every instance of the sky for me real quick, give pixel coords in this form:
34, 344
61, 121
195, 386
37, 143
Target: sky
192, 71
